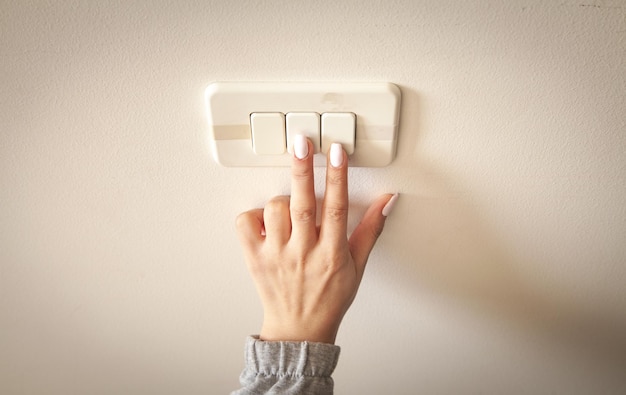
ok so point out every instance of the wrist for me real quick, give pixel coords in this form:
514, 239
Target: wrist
297, 332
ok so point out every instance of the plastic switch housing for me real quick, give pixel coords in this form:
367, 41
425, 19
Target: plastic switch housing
237, 138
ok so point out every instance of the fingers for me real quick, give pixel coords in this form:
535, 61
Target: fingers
335, 207
250, 228
276, 220
270, 224
369, 229
302, 205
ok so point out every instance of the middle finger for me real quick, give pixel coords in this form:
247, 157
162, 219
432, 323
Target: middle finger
302, 204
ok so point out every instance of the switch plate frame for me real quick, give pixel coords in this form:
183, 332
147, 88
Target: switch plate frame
375, 104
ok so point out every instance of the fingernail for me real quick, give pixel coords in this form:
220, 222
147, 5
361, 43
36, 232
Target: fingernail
336, 155
389, 206
300, 146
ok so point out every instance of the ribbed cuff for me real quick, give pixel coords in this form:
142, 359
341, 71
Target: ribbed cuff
280, 358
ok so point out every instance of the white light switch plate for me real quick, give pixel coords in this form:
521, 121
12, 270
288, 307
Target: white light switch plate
229, 105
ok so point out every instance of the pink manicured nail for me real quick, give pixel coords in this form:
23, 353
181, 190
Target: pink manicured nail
300, 146
389, 206
336, 155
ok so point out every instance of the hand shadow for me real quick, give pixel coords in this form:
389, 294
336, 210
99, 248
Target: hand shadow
442, 244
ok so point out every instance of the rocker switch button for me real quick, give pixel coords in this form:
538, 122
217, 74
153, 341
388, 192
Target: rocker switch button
268, 133
338, 127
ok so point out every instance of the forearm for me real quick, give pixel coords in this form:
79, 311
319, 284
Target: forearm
288, 368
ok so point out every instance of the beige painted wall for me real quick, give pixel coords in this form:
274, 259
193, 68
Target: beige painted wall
502, 270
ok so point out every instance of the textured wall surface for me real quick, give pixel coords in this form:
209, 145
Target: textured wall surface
502, 269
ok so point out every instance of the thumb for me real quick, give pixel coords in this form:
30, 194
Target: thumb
371, 226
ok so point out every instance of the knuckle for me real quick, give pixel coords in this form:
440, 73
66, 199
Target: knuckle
302, 172
333, 261
376, 230
337, 214
336, 178
303, 214
281, 199
277, 203
243, 220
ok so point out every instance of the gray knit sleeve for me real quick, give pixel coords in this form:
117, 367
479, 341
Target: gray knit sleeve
287, 368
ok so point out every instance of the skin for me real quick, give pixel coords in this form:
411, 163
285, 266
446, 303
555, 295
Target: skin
307, 275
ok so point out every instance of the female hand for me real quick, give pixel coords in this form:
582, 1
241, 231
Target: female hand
308, 276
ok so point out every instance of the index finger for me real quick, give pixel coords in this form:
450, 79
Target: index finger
302, 204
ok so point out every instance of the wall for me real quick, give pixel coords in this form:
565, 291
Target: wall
502, 269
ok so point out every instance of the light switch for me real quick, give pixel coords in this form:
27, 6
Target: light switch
338, 127
306, 124
268, 133
372, 110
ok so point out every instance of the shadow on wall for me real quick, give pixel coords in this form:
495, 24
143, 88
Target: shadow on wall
443, 245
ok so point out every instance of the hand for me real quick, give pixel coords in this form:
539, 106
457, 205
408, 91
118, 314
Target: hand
308, 276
